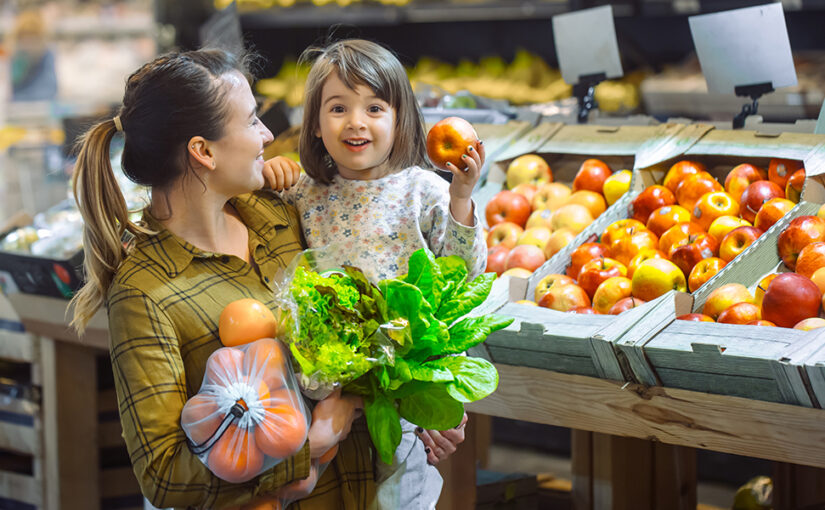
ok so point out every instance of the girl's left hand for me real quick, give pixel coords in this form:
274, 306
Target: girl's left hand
465, 179
441, 444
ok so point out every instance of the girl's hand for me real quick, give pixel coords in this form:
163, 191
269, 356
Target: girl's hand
281, 173
331, 421
441, 444
464, 180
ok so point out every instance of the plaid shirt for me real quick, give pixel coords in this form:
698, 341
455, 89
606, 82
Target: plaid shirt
164, 305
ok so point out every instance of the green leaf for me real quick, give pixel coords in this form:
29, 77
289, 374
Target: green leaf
384, 425
453, 274
472, 331
406, 300
466, 298
430, 406
475, 378
425, 273
429, 373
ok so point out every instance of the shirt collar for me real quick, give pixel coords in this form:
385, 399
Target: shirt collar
174, 254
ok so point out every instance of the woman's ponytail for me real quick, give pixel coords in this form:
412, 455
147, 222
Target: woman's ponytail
105, 218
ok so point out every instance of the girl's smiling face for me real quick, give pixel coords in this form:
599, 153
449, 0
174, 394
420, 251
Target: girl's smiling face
357, 128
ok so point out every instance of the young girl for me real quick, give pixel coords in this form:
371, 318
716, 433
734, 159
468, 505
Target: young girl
367, 193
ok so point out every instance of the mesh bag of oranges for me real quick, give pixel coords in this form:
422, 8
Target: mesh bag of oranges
248, 415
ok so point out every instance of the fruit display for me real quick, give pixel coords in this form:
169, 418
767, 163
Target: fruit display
677, 235
536, 216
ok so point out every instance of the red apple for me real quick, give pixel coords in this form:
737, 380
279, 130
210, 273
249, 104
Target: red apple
691, 189
649, 200
584, 310
526, 190
558, 240
625, 304
771, 212
793, 189
740, 313
564, 298
528, 169
548, 282
741, 177
755, 195
584, 254
696, 248
504, 234
695, 317
593, 273
591, 175
640, 257
677, 173
665, 217
780, 170
619, 228
811, 258
537, 236
713, 205
761, 322
507, 206
737, 241
526, 256
609, 292
628, 246
724, 297
724, 224
677, 235
573, 216
789, 299
799, 233
448, 140
594, 202
550, 196
496, 259
761, 287
703, 271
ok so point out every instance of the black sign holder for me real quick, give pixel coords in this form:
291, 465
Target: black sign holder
754, 91
584, 90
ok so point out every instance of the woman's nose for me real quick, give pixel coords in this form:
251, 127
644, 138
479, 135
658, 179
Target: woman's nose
268, 136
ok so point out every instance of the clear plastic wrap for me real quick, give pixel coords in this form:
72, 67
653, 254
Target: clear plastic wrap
248, 415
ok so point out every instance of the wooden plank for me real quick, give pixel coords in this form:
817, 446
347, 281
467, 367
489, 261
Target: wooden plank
675, 477
622, 473
716, 422
70, 426
21, 488
798, 487
459, 490
484, 437
581, 457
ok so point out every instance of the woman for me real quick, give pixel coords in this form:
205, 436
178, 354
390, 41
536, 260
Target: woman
208, 238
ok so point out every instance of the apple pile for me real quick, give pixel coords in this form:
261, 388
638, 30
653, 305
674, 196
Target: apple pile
536, 217
792, 298
677, 236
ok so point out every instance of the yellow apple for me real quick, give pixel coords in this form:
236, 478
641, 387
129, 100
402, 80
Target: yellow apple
537, 236
593, 201
720, 227
609, 292
558, 240
540, 218
550, 281
573, 216
810, 323
821, 212
550, 196
655, 277
724, 297
529, 168
526, 302
517, 272
616, 185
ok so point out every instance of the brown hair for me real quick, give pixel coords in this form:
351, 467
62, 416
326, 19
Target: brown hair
360, 62
166, 103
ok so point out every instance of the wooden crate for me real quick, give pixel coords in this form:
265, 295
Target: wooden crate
543, 338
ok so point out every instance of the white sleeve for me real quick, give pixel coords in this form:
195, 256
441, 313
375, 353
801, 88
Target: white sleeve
444, 234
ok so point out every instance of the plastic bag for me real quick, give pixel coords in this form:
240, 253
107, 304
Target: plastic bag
248, 415
334, 321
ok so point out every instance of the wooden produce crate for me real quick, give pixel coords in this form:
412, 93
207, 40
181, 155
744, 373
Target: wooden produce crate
736, 360
544, 338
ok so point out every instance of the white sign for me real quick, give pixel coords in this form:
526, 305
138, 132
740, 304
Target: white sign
586, 44
744, 47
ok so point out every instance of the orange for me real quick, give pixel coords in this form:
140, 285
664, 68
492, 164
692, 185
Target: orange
283, 430
264, 360
200, 418
225, 366
244, 321
235, 457
328, 455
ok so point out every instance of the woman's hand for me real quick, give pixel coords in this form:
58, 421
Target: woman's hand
331, 421
464, 181
441, 444
281, 173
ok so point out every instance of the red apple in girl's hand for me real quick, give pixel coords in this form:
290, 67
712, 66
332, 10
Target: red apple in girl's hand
448, 140
789, 299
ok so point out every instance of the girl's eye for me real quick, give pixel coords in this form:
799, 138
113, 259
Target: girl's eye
337, 109
376, 108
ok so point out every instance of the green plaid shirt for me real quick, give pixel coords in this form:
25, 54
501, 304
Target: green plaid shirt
164, 305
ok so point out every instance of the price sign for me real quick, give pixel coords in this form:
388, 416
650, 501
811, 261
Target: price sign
586, 44
743, 48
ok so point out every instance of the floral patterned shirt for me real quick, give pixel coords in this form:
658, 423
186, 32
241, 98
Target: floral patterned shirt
378, 224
